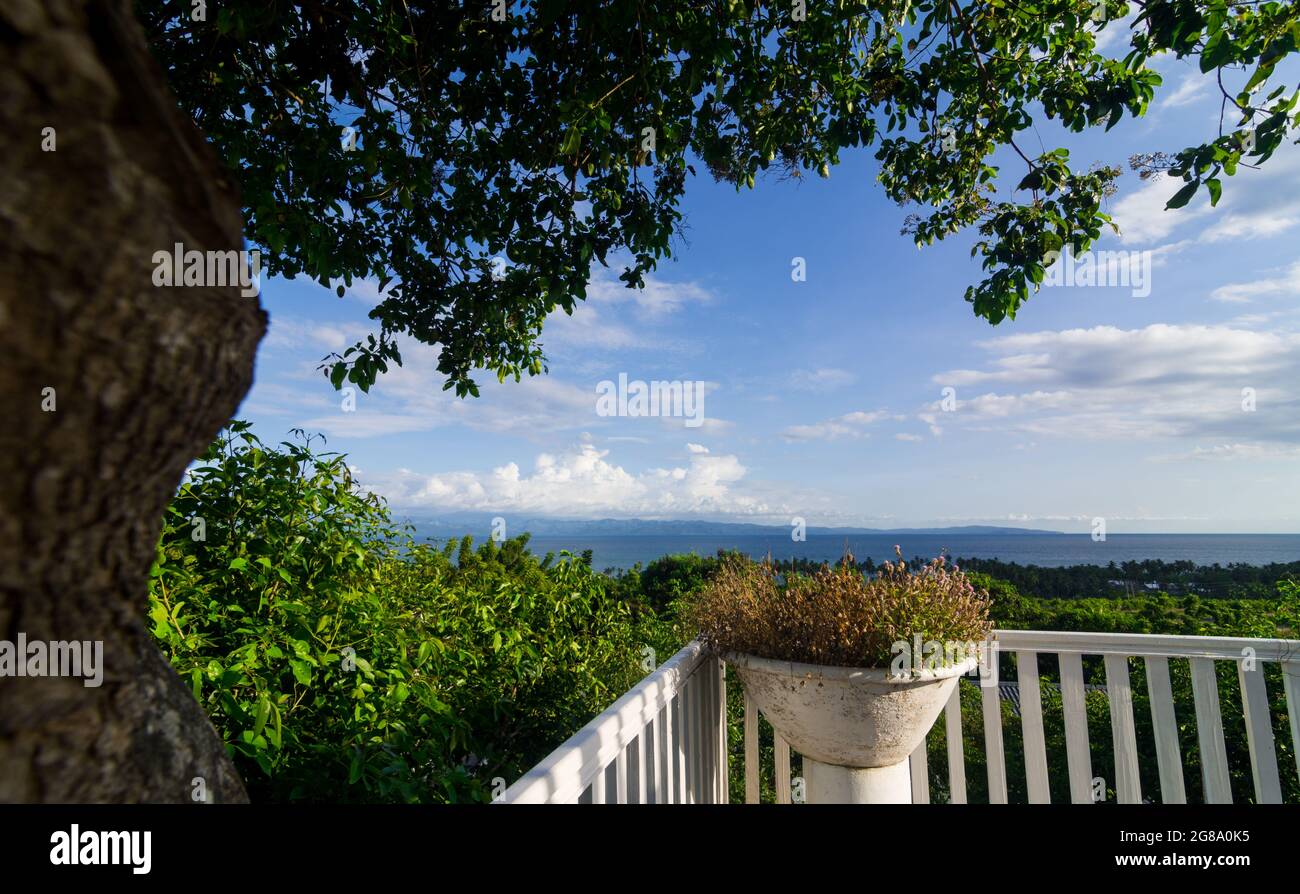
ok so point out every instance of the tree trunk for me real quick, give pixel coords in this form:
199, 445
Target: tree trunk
111, 386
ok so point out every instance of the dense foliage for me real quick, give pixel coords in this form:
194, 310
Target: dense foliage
495, 151
1237, 580
342, 662
667, 580
1234, 581
836, 616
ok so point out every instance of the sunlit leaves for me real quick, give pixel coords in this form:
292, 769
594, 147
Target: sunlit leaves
524, 137
342, 662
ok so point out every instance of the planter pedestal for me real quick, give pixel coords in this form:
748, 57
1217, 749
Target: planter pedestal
829, 784
855, 727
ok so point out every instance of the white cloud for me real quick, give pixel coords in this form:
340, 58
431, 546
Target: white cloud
1002, 405
1259, 225
276, 399
1107, 354
904, 436
659, 297
1287, 284
1141, 215
410, 397
600, 321
1158, 381
819, 379
1231, 452
849, 425
580, 482
361, 424
1255, 204
861, 418
1191, 88
365, 291
290, 332
587, 327
1114, 35
708, 425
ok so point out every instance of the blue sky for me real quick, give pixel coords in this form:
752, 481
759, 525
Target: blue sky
824, 397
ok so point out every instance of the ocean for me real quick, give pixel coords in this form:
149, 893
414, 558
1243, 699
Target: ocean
1050, 550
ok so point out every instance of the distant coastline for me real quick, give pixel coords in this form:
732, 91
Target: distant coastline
455, 524
1047, 550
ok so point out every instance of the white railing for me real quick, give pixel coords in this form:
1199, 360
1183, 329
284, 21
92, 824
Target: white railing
665, 740
1250, 657
1202, 652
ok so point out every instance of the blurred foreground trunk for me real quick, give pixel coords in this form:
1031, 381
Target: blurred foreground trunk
110, 387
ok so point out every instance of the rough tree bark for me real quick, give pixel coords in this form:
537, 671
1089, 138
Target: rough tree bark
143, 378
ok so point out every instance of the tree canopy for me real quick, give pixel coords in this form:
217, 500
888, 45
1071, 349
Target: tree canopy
477, 159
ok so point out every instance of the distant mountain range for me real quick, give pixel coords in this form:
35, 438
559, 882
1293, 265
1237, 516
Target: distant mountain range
461, 523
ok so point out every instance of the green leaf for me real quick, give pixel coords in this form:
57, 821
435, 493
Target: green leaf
1216, 52
1182, 197
1216, 189
263, 710
276, 734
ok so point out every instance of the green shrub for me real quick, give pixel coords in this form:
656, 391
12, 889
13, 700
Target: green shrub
342, 662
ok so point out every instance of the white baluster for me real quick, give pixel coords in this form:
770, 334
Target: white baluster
919, 768
751, 751
993, 752
598, 788
1209, 729
956, 749
1031, 723
782, 769
1076, 729
1165, 724
620, 777
1291, 685
1259, 733
1128, 785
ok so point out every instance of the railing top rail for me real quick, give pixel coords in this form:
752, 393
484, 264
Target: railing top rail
568, 770
1134, 644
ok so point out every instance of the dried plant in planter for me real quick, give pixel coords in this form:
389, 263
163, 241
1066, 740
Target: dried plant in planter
836, 616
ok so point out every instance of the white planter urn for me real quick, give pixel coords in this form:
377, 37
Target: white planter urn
855, 727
